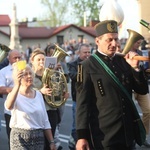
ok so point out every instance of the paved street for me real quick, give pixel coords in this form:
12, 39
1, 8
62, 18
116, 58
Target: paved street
64, 129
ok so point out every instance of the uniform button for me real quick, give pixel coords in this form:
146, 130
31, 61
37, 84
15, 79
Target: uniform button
122, 99
123, 113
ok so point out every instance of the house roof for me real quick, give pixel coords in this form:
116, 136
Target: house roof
4, 33
44, 32
89, 30
35, 32
4, 20
26, 32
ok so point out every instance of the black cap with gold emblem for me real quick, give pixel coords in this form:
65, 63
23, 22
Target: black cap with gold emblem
107, 26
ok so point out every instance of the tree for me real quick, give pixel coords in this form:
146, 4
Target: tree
89, 6
56, 12
60, 12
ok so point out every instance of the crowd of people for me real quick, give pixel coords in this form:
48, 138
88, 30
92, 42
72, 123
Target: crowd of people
103, 84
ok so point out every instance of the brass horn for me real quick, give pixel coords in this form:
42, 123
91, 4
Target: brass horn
59, 53
56, 80
3, 52
133, 37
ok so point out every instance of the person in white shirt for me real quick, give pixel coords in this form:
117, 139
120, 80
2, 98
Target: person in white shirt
6, 83
29, 121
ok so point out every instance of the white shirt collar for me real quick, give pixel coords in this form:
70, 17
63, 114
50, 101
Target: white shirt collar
105, 54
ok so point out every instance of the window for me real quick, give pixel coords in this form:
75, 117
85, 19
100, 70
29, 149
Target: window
80, 38
60, 39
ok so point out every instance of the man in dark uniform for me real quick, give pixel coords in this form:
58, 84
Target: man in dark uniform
105, 82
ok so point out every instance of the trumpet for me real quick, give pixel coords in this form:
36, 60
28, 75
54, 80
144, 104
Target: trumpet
133, 37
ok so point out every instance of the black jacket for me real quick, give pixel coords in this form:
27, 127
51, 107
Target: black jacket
72, 72
115, 116
4, 63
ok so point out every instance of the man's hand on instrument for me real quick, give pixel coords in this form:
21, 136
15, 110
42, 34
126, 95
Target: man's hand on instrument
58, 66
66, 95
129, 58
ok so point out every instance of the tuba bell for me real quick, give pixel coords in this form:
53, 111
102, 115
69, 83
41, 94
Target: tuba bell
56, 80
3, 52
133, 37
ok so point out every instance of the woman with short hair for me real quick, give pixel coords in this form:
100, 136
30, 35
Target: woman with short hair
29, 120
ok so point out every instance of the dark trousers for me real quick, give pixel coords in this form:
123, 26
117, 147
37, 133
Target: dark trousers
53, 119
118, 147
8, 129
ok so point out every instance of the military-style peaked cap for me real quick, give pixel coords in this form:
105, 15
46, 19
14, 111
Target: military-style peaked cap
107, 26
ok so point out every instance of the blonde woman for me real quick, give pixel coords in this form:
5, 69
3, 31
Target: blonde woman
37, 60
29, 121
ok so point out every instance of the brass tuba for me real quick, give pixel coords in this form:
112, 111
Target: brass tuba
56, 80
133, 37
3, 52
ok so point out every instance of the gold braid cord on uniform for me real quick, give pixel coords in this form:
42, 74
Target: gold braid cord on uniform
79, 74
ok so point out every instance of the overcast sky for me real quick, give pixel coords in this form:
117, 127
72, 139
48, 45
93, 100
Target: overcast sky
25, 8
33, 8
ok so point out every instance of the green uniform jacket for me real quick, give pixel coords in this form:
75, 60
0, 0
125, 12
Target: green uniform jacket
96, 92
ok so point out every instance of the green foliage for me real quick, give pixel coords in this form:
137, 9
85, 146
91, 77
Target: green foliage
89, 6
60, 12
56, 11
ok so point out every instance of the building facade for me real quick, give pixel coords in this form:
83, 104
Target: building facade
144, 13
